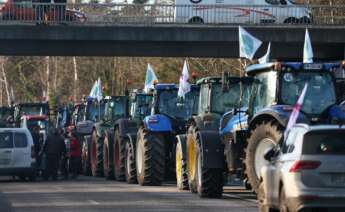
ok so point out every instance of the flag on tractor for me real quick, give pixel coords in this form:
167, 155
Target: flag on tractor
96, 91
307, 49
266, 57
150, 79
184, 86
248, 44
296, 110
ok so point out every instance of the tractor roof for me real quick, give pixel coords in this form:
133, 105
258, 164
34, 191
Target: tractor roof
207, 80
33, 104
165, 86
255, 68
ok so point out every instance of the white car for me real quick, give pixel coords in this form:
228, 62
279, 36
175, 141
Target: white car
241, 12
17, 153
307, 173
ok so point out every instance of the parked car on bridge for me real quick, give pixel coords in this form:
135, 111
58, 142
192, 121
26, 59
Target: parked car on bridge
28, 10
17, 153
306, 172
245, 12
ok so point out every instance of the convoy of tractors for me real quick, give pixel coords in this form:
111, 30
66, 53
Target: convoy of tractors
220, 130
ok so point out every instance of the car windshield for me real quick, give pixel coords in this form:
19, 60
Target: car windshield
118, 107
168, 104
330, 142
225, 100
33, 110
141, 106
320, 91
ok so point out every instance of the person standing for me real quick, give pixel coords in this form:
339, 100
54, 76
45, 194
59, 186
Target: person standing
75, 155
54, 149
36, 137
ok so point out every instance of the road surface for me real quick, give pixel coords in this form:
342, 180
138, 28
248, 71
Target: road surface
88, 194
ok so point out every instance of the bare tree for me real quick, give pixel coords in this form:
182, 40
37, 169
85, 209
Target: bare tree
47, 93
75, 93
4, 78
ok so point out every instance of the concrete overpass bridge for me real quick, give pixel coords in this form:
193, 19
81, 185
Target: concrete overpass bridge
163, 36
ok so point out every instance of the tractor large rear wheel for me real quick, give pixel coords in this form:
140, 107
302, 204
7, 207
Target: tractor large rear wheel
86, 154
207, 182
150, 158
131, 171
96, 155
119, 156
181, 168
108, 157
263, 137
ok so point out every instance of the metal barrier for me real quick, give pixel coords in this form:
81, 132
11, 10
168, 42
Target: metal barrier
114, 14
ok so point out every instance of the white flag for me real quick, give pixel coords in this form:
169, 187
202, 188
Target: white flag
150, 79
96, 91
266, 57
295, 112
307, 49
184, 86
248, 44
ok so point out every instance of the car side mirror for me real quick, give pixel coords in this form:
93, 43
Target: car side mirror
270, 154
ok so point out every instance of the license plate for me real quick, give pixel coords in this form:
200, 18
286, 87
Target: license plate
337, 179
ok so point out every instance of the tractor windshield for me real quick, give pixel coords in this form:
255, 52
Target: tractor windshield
117, 105
141, 106
33, 110
168, 104
43, 124
225, 100
5, 113
320, 92
92, 111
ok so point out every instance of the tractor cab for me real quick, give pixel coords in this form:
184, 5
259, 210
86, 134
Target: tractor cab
218, 97
166, 104
140, 104
30, 109
115, 107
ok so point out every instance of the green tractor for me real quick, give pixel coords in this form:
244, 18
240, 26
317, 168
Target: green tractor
119, 161
110, 110
202, 161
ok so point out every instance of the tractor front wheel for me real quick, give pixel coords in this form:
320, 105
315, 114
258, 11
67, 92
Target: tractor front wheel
130, 166
150, 158
181, 168
119, 156
262, 138
85, 157
96, 155
108, 157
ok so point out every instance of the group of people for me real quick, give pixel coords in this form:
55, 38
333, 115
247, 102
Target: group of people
53, 154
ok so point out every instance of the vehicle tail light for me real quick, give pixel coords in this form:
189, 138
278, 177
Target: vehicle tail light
304, 164
33, 153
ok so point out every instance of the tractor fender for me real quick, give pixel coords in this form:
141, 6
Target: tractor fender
280, 113
122, 126
157, 123
211, 148
206, 121
233, 124
182, 139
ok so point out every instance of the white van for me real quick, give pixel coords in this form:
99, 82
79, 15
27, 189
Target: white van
241, 12
17, 153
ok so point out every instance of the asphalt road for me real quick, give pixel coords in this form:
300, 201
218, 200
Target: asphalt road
89, 194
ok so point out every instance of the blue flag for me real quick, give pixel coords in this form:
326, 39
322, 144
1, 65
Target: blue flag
96, 91
248, 44
150, 79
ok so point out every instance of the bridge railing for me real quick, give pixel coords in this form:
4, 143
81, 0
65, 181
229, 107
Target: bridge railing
149, 14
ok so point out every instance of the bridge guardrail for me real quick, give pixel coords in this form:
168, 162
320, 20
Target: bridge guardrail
150, 14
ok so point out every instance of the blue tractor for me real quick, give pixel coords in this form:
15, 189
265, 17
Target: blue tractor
206, 153
156, 141
276, 89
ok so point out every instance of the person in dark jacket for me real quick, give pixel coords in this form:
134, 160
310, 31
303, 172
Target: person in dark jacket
54, 149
